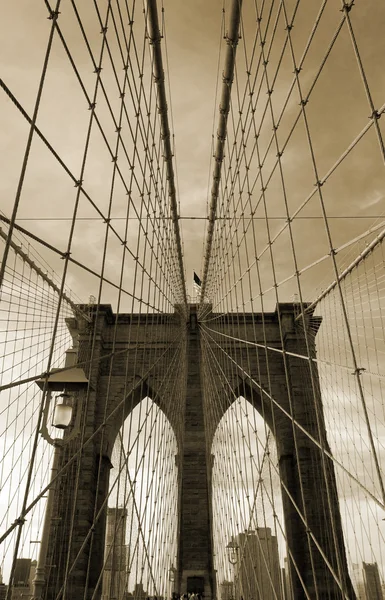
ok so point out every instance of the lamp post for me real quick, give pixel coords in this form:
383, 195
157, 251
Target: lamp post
232, 551
172, 578
71, 380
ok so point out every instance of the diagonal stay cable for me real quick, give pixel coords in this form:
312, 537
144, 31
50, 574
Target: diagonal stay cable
17, 249
295, 422
21, 518
53, 16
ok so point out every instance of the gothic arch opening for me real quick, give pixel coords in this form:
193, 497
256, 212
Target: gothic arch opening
248, 530
142, 524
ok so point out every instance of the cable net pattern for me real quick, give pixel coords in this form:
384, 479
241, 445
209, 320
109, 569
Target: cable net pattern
290, 306
293, 220
95, 153
34, 337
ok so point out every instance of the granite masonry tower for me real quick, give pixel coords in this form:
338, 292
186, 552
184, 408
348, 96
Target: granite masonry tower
307, 475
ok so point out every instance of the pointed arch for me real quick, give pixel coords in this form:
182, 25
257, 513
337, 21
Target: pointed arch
143, 502
247, 503
122, 401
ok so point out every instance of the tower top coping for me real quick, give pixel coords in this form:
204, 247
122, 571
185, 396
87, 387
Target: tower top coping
285, 312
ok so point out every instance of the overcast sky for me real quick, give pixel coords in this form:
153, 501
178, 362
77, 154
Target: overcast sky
338, 111
193, 35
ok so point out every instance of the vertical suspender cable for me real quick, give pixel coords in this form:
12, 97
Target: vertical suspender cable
158, 73
224, 108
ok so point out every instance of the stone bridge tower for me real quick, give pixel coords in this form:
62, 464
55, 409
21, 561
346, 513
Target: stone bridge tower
120, 381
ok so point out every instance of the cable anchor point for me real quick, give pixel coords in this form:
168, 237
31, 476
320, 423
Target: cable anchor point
359, 371
347, 7
375, 115
53, 15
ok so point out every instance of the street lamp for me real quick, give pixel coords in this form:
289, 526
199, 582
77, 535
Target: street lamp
67, 381
172, 573
62, 415
232, 551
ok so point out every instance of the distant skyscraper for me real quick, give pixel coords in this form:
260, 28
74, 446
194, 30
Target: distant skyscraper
21, 579
139, 592
287, 583
358, 581
21, 574
372, 581
227, 590
285, 595
115, 573
32, 572
257, 568
3, 587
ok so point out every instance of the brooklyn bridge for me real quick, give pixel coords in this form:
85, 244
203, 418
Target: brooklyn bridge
192, 326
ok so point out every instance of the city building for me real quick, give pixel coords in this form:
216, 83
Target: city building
139, 592
32, 572
21, 573
226, 590
257, 568
115, 572
3, 587
285, 590
358, 581
22, 581
372, 581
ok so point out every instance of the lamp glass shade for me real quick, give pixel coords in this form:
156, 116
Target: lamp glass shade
62, 416
232, 552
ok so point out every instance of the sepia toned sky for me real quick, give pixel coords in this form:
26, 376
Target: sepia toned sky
338, 111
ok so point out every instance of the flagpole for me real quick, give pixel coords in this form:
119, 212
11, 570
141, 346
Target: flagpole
197, 287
